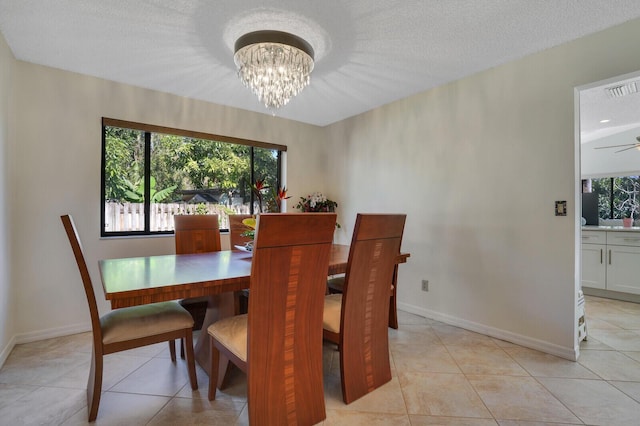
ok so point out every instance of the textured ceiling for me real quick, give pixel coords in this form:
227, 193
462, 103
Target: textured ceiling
369, 52
602, 115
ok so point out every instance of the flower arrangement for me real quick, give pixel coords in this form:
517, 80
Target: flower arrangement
316, 202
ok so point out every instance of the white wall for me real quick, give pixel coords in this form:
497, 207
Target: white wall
477, 166
6, 305
55, 169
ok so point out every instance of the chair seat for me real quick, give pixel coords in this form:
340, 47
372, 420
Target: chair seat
142, 321
332, 310
232, 333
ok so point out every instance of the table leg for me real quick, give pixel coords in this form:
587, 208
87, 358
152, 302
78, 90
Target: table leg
220, 306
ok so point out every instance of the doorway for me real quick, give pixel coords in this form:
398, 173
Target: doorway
608, 148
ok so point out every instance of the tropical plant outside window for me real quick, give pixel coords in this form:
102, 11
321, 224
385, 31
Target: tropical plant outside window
151, 173
618, 197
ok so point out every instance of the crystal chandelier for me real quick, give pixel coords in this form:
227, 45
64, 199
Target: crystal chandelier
274, 65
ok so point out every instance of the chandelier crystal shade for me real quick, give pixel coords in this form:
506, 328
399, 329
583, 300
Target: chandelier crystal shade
275, 65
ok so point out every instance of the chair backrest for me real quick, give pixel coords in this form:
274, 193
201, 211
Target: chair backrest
236, 229
288, 279
365, 299
76, 246
197, 233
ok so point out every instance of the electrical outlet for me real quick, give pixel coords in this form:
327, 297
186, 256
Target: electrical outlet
425, 285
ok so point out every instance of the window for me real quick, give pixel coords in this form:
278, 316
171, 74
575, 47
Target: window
618, 197
150, 173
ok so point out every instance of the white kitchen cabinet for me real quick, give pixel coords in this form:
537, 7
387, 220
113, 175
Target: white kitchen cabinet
594, 268
611, 260
623, 262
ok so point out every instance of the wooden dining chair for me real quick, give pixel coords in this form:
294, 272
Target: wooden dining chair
278, 344
236, 229
196, 234
335, 284
128, 328
357, 319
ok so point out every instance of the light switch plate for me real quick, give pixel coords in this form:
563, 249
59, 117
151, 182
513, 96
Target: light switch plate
561, 208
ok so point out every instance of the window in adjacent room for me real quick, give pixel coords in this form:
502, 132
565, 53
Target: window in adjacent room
150, 173
618, 197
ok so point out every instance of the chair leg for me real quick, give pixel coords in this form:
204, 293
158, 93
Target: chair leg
94, 385
213, 368
182, 348
191, 363
172, 350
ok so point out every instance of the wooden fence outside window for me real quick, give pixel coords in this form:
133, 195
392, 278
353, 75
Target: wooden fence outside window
126, 217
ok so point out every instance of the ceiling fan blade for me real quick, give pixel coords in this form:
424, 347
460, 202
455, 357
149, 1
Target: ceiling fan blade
637, 145
617, 146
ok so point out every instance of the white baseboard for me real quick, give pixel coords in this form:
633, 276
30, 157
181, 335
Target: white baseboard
34, 336
569, 353
7, 350
50, 333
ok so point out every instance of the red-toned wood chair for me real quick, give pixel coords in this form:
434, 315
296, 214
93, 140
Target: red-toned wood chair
196, 234
199, 233
279, 342
357, 319
128, 328
335, 284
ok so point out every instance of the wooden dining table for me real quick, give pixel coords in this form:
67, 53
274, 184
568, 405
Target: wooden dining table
142, 280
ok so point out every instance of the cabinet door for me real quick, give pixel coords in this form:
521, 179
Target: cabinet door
623, 269
594, 272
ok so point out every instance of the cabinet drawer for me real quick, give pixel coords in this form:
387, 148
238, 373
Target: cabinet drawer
623, 239
595, 237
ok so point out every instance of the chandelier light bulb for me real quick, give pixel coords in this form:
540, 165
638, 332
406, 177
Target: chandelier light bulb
275, 65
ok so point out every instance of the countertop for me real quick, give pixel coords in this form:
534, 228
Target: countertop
610, 228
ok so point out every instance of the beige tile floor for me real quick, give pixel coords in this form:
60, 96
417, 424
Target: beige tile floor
442, 375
